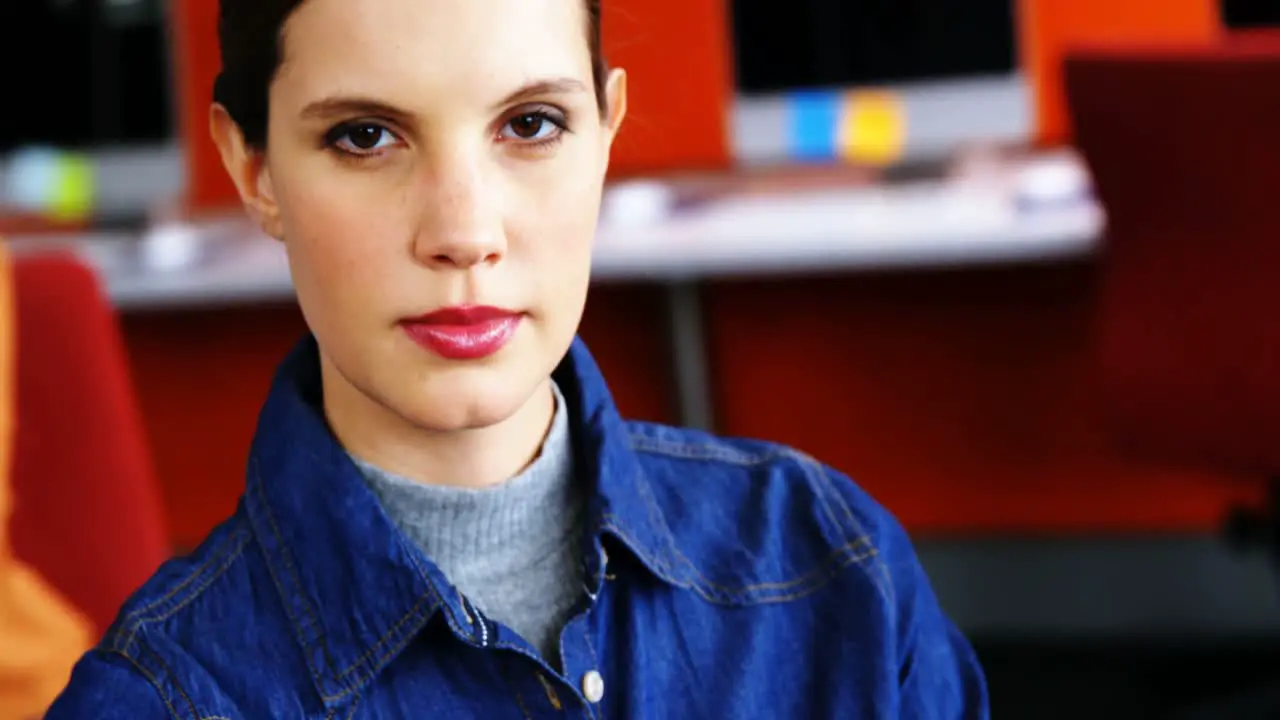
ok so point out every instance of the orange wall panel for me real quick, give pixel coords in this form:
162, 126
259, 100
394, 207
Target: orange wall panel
678, 57
196, 65
1048, 29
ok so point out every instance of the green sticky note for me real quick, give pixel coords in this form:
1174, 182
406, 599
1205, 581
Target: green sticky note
71, 196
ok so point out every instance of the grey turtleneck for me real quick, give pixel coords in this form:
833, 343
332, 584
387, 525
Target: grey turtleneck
512, 550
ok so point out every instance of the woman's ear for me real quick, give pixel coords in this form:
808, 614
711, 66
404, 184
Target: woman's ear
248, 170
615, 93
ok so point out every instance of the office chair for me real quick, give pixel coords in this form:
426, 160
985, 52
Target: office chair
1184, 146
87, 506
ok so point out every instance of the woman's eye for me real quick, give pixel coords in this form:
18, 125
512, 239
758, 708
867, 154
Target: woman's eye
531, 127
363, 139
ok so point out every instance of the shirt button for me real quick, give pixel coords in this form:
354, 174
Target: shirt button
593, 687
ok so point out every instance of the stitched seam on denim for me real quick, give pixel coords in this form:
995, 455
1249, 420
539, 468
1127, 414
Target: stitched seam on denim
151, 678
646, 494
825, 489
340, 677
386, 637
333, 711
400, 644
747, 590
730, 596
859, 548
714, 449
815, 471
139, 644
813, 475
214, 556
173, 680
656, 518
839, 559
724, 454
733, 456
431, 588
226, 554
512, 647
283, 553
884, 583
829, 485
855, 552
706, 451
370, 671
727, 596
136, 623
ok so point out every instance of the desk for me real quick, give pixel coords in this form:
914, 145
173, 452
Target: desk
743, 230
824, 231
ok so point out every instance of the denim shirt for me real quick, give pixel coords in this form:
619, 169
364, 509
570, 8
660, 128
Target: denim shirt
725, 579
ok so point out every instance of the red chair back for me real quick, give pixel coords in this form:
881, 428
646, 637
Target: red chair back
1185, 151
87, 509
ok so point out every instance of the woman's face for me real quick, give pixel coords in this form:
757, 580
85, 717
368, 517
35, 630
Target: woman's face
429, 155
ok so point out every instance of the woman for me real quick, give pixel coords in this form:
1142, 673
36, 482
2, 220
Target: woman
444, 515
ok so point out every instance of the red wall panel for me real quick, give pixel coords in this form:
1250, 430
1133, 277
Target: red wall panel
1048, 29
965, 400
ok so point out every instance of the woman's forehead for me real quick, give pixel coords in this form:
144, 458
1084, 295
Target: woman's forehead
421, 48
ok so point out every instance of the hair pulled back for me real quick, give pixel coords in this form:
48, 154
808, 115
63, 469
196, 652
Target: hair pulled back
250, 35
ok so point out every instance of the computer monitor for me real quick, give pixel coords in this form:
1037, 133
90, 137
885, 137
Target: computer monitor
1242, 14
945, 74
91, 73
91, 77
837, 43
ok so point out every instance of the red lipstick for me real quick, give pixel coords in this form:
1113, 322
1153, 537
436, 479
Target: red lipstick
465, 332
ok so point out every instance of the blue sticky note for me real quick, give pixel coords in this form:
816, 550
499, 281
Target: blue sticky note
815, 117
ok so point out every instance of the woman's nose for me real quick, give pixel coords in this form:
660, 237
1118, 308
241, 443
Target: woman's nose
462, 224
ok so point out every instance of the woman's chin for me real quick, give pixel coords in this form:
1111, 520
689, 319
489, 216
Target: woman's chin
462, 405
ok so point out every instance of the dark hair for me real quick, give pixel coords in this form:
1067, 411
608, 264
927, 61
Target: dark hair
250, 33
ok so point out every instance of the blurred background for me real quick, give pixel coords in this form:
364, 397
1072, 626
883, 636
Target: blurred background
1008, 263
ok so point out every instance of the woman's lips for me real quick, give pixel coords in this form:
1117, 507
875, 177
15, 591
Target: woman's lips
468, 332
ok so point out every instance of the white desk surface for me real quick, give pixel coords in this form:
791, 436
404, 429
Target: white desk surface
734, 234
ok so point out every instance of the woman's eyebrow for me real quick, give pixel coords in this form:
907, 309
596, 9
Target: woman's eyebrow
543, 87
341, 105
351, 105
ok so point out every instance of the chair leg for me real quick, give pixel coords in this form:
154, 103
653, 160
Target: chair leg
1249, 530
1257, 529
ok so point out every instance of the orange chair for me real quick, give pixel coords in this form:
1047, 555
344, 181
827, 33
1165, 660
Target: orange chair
1185, 150
87, 509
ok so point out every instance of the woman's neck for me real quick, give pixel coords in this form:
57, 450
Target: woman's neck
474, 457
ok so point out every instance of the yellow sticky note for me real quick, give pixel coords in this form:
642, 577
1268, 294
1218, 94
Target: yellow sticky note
873, 127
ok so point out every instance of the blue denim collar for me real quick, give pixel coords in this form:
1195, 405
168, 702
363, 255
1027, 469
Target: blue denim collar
355, 588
